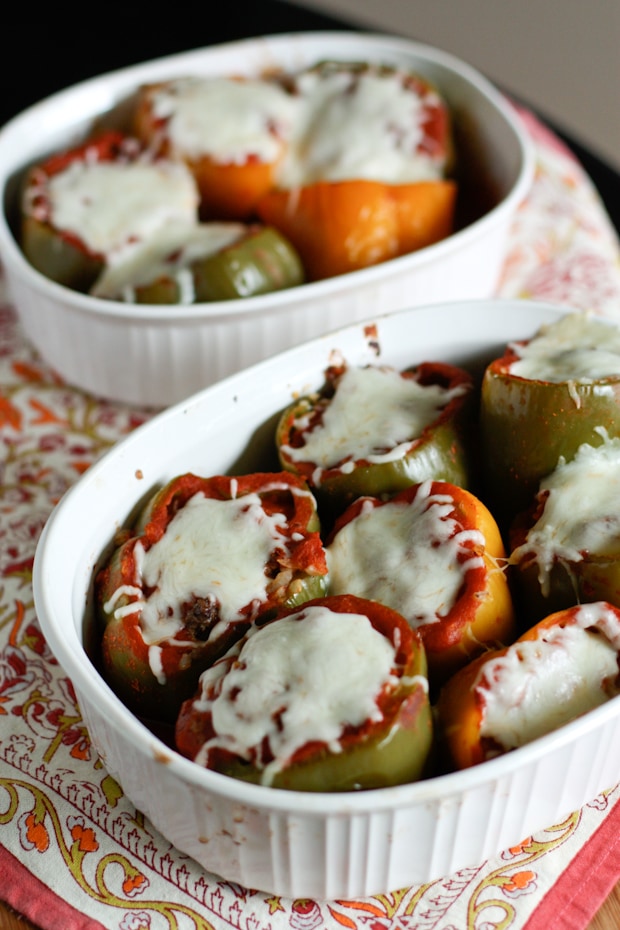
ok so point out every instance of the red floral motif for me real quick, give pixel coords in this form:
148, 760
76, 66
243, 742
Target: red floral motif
541, 134
57, 723
9, 335
74, 736
36, 642
15, 673
306, 914
570, 278
600, 803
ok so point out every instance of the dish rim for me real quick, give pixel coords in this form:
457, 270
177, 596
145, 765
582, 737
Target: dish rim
119, 83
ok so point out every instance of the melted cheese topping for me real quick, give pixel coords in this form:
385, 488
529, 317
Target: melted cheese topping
365, 125
226, 119
577, 347
212, 549
114, 207
411, 557
168, 255
335, 126
301, 679
581, 515
539, 685
374, 415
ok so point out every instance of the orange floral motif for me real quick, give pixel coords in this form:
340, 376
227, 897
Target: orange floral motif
20, 612
342, 919
33, 833
81, 748
80, 467
28, 373
82, 835
9, 414
520, 848
134, 884
369, 909
45, 415
519, 882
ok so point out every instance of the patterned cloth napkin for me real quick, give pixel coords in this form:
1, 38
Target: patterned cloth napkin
74, 853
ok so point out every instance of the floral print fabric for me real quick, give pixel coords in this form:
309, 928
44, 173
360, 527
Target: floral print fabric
68, 836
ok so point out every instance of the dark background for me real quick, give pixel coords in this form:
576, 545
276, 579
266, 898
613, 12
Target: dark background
60, 44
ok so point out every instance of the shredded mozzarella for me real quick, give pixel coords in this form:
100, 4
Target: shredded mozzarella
229, 120
114, 207
581, 513
168, 254
413, 557
576, 348
212, 549
375, 415
367, 125
299, 680
539, 685
334, 126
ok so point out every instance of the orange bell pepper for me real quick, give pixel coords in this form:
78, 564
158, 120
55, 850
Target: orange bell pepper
462, 704
343, 226
231, 191
481, 617
228, 190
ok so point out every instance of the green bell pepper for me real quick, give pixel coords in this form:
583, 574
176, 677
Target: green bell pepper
160, 627
391, 746
440, 449
260, 261
58, 253
528, 423
565, 549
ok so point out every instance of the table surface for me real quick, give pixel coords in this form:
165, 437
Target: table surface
49, 68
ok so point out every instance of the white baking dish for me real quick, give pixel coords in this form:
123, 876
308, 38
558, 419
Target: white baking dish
290, 843
156, 355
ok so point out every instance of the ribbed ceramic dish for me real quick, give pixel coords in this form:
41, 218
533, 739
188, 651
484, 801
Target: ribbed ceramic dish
155, 355
291, 843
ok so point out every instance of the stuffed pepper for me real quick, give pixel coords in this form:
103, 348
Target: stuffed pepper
433, 553
375, 430
102, 203
232, 132
564, 666
366, 177
332, 696
206, 262
566, 548
541, 400
204, 559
